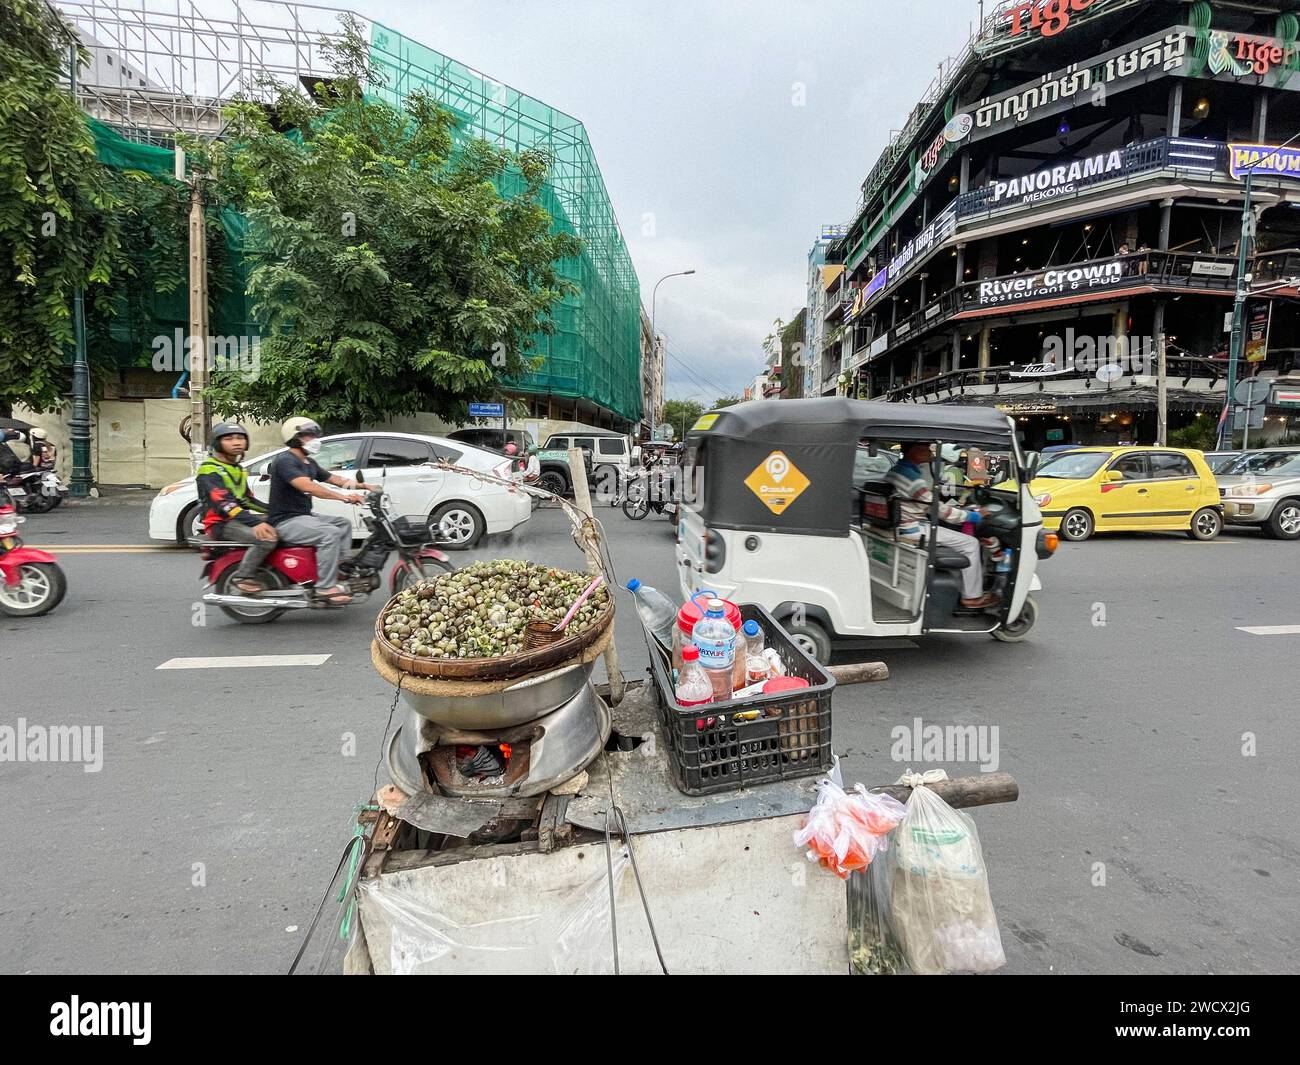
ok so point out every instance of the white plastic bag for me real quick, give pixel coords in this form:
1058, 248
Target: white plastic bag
939, 908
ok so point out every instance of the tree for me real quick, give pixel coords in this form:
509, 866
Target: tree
389, 272
681, 414
57, 229
726, 401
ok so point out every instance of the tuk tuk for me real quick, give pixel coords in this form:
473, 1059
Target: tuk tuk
792, 509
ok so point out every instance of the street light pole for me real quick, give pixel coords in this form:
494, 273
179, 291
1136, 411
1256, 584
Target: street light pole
1236, 343
654, 296
83, 479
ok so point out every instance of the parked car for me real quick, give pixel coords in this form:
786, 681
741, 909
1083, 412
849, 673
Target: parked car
1219, 461
1262, 488
554, 474
607, 449
462, 509
1128, 489
494, 439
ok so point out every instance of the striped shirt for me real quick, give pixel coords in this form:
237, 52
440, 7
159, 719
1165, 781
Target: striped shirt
915, 490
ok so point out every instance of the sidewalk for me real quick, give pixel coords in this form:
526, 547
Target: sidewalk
115, 496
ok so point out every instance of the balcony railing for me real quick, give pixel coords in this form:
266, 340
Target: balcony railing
1161, 270
1180, 370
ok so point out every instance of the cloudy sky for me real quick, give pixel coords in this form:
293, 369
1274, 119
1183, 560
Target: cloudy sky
728, 132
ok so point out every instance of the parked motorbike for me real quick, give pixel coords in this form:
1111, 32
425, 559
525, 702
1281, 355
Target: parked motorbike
36, 490
31, 582
652, 491
289, 573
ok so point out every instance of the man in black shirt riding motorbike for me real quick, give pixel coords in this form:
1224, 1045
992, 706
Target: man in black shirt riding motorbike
295, 478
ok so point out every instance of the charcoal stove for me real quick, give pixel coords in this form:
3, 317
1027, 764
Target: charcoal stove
455, 748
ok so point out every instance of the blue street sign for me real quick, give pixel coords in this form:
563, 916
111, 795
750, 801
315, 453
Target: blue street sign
487, 410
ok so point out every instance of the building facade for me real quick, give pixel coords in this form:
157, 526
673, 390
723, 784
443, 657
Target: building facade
1065, 203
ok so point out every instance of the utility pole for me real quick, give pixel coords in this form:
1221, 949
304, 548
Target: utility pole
1238, 312
200, 416
83, 479
1162, 379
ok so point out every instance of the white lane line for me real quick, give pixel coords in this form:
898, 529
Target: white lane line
1270, 630
245, 662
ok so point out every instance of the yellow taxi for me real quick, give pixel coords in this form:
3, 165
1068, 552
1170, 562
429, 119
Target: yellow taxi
1128, 489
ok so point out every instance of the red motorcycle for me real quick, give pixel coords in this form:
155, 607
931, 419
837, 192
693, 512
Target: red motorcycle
289, 573
31, 582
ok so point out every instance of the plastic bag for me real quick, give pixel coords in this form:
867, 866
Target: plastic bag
940, 909
844, 830
873, 948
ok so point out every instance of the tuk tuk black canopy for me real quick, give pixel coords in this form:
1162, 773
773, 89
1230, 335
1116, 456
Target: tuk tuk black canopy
787, 465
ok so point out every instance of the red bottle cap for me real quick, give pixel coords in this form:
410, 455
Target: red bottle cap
690, 653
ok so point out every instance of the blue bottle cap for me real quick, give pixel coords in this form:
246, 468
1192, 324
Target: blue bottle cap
751, 628
633, 585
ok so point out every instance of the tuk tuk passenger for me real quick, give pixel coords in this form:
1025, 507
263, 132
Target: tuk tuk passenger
913, 482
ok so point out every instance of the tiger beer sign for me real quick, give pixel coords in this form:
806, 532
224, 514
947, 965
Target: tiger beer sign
777, 482
1046, 17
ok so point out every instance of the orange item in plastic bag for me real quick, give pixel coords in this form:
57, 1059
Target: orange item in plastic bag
844, 830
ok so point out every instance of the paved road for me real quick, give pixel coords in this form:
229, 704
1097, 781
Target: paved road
226, 795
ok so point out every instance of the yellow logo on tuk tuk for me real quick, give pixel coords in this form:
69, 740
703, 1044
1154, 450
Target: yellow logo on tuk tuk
777, 482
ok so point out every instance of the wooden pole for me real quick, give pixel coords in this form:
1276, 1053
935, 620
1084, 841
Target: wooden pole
982, 790
588, 536
859, 672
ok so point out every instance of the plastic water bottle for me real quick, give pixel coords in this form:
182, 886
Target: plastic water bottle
693, 685
1004, 563
658, 612
715, 636
756, 666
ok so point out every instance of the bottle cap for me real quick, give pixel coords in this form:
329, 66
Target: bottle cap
633, 585
690, 653
751, 628
715, 608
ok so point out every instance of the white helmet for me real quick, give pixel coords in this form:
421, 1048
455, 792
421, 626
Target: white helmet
294, 428
950, 453
37, 434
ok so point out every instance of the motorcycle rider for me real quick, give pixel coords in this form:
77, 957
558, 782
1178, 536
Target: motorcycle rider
295, 478
230, 511
9, 462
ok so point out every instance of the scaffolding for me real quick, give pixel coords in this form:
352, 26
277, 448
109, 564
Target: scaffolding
159, 67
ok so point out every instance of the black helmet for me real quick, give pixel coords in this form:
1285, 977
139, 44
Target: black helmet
225, 429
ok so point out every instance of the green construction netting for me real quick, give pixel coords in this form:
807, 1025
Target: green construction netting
595, 353
130, 333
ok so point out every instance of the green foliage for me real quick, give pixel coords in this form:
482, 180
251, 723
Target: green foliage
388, 273
57, 227
1200, 434
725, 401
681, 414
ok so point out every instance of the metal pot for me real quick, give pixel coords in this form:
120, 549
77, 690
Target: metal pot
526, 701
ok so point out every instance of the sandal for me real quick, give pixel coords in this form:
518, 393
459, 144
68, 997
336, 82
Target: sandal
982, 603
336, 596
249, 586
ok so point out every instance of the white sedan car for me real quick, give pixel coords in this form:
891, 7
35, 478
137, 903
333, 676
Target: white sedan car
460, 508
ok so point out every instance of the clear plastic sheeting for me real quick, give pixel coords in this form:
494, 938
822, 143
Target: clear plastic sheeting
570, 931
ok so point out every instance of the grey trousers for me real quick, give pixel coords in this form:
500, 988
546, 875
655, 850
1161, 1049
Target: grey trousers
330, 536
239, 533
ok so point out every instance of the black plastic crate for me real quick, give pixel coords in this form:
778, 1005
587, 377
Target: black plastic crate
716, 747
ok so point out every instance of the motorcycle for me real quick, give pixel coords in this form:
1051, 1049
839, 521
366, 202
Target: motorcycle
31, 582
36, 490
288, 575
654, 491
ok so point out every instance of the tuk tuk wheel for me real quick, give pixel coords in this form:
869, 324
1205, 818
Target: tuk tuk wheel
811, 639
1076, 525
1015, 631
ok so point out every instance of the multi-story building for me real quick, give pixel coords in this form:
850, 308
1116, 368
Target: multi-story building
1066, 200
652, 377
820, 373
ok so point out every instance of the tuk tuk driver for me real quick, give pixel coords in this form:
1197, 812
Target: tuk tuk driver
913, 483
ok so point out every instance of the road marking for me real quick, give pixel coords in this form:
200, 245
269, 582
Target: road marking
1270, 630
104, 549
245, 662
